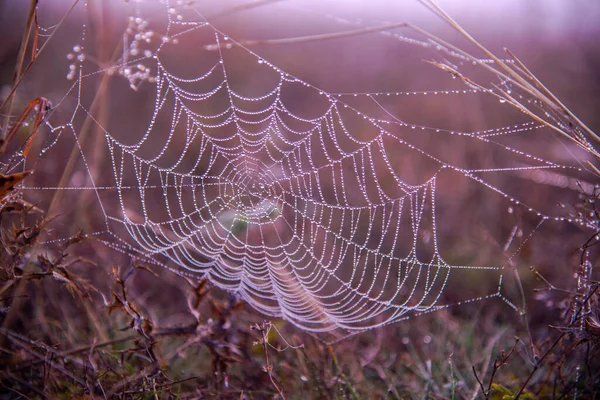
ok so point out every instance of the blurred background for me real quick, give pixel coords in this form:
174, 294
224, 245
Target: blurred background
557, 40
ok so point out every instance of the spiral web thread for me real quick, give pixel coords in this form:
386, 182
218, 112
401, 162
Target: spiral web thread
304, 217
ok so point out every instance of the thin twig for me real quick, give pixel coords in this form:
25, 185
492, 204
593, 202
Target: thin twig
480, 383
18, 82
23, 344
31, 21
515, 76
310, 38
264, 341
547, 353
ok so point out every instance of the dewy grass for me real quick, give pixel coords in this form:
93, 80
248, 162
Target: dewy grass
96, 315
555, 114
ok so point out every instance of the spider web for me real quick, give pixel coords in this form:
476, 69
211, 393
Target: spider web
317, 206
